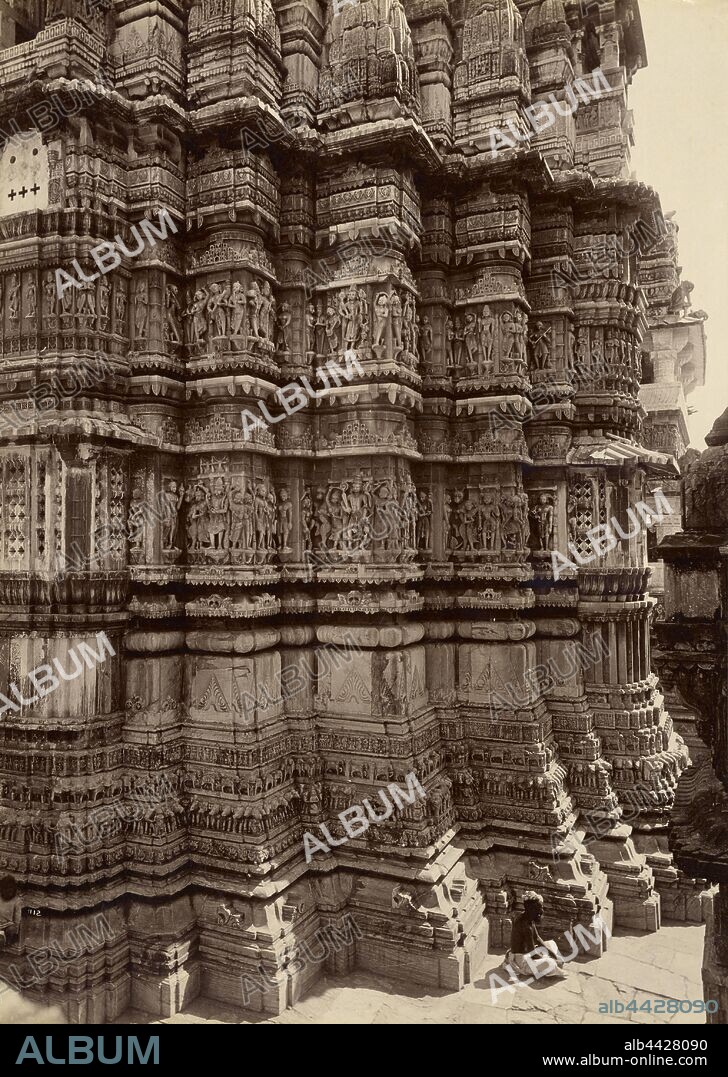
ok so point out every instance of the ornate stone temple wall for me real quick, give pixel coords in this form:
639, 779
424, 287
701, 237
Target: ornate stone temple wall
307, 611
693, 660
674, 366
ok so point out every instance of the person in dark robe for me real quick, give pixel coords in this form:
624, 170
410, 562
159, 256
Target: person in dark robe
526, 942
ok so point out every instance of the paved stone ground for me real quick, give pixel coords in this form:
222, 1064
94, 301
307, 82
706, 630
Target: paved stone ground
637, 967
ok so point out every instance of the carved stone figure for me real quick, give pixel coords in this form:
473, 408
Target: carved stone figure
14, 301
486, 329
172, 315
255, 303
426, 339
103, 299
197, 312
267, 311
283, 323
50, 300
396, 309
31, 300
449, 345
120, 325
237, 518
310, 328
540, 341
285, 520
137, 521
307, 520
509, 331
197, 518
171, 502
470, 340
356, 505
238, 307
217, 303
332, 325
382, 311
424, 520
218, 518
349, 314
86, 304
543, 514
141, 312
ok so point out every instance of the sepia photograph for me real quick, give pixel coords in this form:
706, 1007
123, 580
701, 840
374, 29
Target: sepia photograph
363, 525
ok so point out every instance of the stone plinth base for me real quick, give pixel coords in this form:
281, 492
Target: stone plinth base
428, 932
631, 882
574, 889
682, 898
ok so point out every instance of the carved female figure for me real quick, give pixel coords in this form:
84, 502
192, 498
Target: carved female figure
255, 299
237, 513
310, 328
426, 338
332, 323
320, 328
485, 331
171, 501
322, 523
140, 309
540, 341
86, 307
119, 307
50, 297
581, 347
307, 519
363, 314
284, 320
172, 314
349, 313
217, 309
459, 343
470, 340
260, 508
67, 302
271, 515
521, 319
449, 345
410, 329
198, 312
543, 514
14, 300
510, 332
217, 501
396, 307
197, 532
285, 520
381, 317
491, 524
410, 507
238, 306
356, 503
467, 524
424, 520
31, 296
510, 527
104, 298
267, 306
336, 515
136, 523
